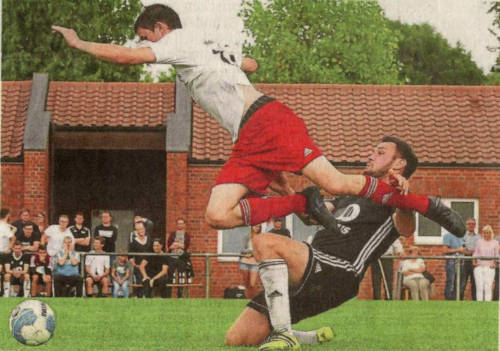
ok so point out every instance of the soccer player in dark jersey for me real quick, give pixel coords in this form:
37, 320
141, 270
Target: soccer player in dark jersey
81, 233
41, 272
302, 280
154, 270
29, 238
16, 271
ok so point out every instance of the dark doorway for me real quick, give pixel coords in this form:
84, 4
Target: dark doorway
88, 180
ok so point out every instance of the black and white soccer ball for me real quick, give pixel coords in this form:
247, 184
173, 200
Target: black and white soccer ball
32, 322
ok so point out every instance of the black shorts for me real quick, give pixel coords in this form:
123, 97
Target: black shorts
3, 258
327, 283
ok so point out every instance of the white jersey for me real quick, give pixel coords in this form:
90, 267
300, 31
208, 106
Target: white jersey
56, 238
97, 264
5, 236
211, 72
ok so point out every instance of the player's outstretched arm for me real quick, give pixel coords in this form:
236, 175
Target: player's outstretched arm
108, 52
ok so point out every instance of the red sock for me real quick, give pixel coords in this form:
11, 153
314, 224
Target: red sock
382, 193
257, 210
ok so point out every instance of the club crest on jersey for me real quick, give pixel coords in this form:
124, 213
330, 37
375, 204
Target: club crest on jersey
349, 214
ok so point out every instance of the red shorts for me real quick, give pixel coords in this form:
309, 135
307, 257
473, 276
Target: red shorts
274, 139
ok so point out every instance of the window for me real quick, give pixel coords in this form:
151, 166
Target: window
430, 233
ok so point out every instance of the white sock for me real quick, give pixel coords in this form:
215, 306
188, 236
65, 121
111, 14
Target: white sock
26, 288
274, 276
6, 289
306, 337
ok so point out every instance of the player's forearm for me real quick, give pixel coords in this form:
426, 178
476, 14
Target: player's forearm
108, 52
405, 222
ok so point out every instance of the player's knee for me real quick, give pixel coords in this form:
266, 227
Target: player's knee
47, 279
34, 279
233, 338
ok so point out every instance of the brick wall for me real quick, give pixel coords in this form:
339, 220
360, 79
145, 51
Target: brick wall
36, 181
12, 187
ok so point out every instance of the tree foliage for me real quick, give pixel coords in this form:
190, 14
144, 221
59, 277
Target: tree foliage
321, 41
29, 46
427, 58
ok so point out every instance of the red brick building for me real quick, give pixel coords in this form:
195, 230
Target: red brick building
139, 148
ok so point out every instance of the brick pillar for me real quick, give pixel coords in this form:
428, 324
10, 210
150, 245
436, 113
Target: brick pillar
177, 191
36, 181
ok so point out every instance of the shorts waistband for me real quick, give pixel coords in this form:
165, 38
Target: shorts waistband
254, 107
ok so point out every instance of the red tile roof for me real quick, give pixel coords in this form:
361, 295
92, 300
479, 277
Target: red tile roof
79, 104
444, 124
15, 101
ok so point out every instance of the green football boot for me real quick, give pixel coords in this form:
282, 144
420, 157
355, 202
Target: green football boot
280, 340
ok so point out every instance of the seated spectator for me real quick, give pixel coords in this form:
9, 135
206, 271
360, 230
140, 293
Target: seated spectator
81, 233
29, 239
248, 264
140, 242
54, 235
413, 277
66, 275
17, 272
40, 272
278, 228
97, 269
154, 270
120, 273
484, 271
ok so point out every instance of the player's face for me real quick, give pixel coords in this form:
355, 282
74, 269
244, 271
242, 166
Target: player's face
17, 249
471, 225
149, 35
381, 160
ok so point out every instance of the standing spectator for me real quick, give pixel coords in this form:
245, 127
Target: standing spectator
29, 239
496, 290
248, 264
40, 272
470, 241
17, 271
24, 217
413, 277
97, 268
178, 242
278, 228
147, 223
80, 233
66, 275
453, 247
120, 273
154, 270
396, 249
7, 239
484, 271
107, 231
54, 235
41, 221
140, 242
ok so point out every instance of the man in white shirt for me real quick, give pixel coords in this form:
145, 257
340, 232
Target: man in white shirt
54, 235
7, 239
97, 269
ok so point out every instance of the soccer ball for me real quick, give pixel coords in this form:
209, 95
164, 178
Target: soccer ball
32, 322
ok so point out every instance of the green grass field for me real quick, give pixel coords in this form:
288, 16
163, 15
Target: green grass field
200, 325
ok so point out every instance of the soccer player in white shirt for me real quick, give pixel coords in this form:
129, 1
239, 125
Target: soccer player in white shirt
54, 235
7, 238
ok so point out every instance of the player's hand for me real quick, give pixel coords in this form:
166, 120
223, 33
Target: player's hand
151, 282
69, 35
400, 182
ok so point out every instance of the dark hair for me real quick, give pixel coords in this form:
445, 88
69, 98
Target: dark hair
17, 243
406, 153
4, 212
108, 212
28, 224
42, 247
79, 213
157, 13
24, 210
99, 238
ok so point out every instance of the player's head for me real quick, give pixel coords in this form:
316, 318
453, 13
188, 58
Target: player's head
156, 21
42, 250
4, 213
157, 246
391, 153
28, 229
17, 247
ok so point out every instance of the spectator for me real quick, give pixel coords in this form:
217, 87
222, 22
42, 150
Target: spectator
484, 271
54, 235
141, 242
496, 290
29, 239
413, 277
41, 221
24, 217
154, 270
40, 272
66, 275
120, 273
470, 241
7, 239
396, 249
248, 265
80, 233
453, 247
97, 269
107, 231
17, 271
178, 243
147, 223
278, 228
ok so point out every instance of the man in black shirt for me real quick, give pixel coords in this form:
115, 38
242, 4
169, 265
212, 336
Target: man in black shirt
278, 228
139, 242
17, 271
80, 233
154, 270
327, 272
30, 240
25, 217
107, 231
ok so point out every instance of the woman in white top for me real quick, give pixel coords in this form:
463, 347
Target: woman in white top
413, 277
248, 264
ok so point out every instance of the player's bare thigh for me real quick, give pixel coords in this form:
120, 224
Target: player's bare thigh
250, 328
223, 210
